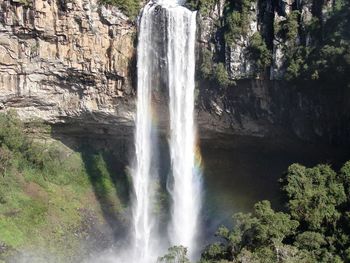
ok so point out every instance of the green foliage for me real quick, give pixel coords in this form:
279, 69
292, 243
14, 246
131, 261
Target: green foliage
203, 6
314, 195
206, 66
258, 233
296, 63
237, 19
26, 3
176, 254
345, 177
310, 241
234, 27
5, 160
323, 47
129, 7
259, 52
316, 227
11, 131
44, 187
291, 26
221, 75
215, 72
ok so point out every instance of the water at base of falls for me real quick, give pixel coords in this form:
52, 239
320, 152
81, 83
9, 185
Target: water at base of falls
166, 33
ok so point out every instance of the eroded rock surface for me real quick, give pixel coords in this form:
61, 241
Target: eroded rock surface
66, 59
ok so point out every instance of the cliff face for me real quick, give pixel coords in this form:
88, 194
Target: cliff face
72, 63
278, 110
262, 102
65, 60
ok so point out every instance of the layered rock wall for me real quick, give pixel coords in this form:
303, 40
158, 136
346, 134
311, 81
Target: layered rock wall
65, 59
72, 64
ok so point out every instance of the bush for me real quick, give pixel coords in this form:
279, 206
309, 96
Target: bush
259, 52
206, 66
237, 19
11, 131
203, 6
215, 72
176, 254
130, 7
323, 49
221, 76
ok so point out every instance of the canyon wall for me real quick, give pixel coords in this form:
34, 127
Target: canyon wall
72, 64
66, 60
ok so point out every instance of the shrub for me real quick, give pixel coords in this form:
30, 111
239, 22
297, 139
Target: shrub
259, 52
237, 19
206, 66
130, 7
221, 76
203, 6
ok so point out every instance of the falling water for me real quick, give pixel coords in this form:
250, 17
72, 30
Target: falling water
185, 182
143, 173
165, 54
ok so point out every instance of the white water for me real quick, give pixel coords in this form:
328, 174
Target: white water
186, 181
143, 174
184, 184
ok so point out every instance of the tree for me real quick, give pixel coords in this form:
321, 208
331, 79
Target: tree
258, 233
176, 254
5, 160
11, 131
314, 229
129, 7
221, 75
314, 195
259, 52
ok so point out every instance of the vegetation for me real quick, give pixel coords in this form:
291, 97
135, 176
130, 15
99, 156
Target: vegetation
316, 48
129, 7
323, 50
44, 187
48, 191
215, 72
237, 19
314, 228
176, 254
26, 3
203, 6
259, 53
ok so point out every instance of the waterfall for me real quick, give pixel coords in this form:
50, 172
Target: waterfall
143, 173
185, 182
165, 54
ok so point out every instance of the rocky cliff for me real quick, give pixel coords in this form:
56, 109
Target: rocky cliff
72, 64
264, 47
66, 60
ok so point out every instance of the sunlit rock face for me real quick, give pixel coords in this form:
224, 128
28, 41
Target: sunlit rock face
66, 59
73, 64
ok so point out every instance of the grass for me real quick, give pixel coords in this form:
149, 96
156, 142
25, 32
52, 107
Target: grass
43, 189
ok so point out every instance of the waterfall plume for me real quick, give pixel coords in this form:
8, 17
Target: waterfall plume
185, 186
166, 58
143, 174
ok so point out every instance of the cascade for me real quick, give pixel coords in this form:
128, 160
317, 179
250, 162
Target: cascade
186, 180
165, 55
143, 173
